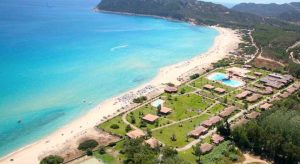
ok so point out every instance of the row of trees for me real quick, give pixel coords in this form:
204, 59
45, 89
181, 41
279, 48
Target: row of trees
275, 134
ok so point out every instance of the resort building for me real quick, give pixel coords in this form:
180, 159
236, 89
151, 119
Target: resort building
153, 143
285, 94
135, 134
165, 110
252, 115
277, 81
150, 118
216, 139
158, 102
205, 148
243, 95
257, 74
170, 89
291, 90
247, 66
265, 106
250, 77
227, 112
212, 121
240, 122
220, 90
198, 132
208, 87
241, 72
253, 98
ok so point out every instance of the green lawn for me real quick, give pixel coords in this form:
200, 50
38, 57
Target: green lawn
187, 88
186, 106
165, 134
116, 120
216, 109
141, 112
105, 158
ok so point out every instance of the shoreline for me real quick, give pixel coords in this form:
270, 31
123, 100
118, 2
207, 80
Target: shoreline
227, 41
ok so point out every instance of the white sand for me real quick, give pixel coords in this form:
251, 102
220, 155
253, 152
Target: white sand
224, 43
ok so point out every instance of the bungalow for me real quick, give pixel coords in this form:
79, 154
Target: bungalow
153, 143
257, 74
135, 134
211, 122
285, 95
292, 90
150, 118
165, 110
241, 121
252, 115
208, 87
205, 148
198, 132
259, 86
250, 77
243, 95
227, 112
241, 72
265, 106
216, 139
220, 90
170, 89
253, 98
247, 66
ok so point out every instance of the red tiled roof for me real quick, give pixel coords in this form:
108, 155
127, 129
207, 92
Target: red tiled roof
198, 131
135, 134
165, 110
209, 87
217, 138
152, 142
205, 148
150, 118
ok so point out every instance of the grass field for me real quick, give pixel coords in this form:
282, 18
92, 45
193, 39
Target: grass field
180, 132
186, 106
141, 112
116, 120
105, 158
216, 109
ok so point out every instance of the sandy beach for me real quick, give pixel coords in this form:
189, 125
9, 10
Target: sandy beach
226, 42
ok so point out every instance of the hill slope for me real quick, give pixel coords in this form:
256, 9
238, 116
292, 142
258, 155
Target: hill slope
287, 11
201, 12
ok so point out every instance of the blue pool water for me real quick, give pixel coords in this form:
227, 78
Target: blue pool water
56, 53
221, 77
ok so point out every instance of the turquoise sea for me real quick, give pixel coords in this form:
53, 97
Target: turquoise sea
56, 53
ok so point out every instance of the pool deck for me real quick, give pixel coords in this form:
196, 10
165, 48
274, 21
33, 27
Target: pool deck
211, 77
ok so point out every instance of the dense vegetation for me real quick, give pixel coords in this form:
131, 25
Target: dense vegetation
198, 11
288, 12
88, 144
135, 151
274, 41
52, 159
275, 134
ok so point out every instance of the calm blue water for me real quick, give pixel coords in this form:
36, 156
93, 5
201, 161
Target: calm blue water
56, 53
223, 78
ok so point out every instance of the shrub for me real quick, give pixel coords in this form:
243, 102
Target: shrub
89, 152
101, 150
88, 144
114, 126
194, 76
52, 159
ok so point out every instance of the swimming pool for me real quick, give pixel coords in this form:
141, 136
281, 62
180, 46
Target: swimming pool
221, 77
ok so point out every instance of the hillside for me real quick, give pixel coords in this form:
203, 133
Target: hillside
288, 11
201, 12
